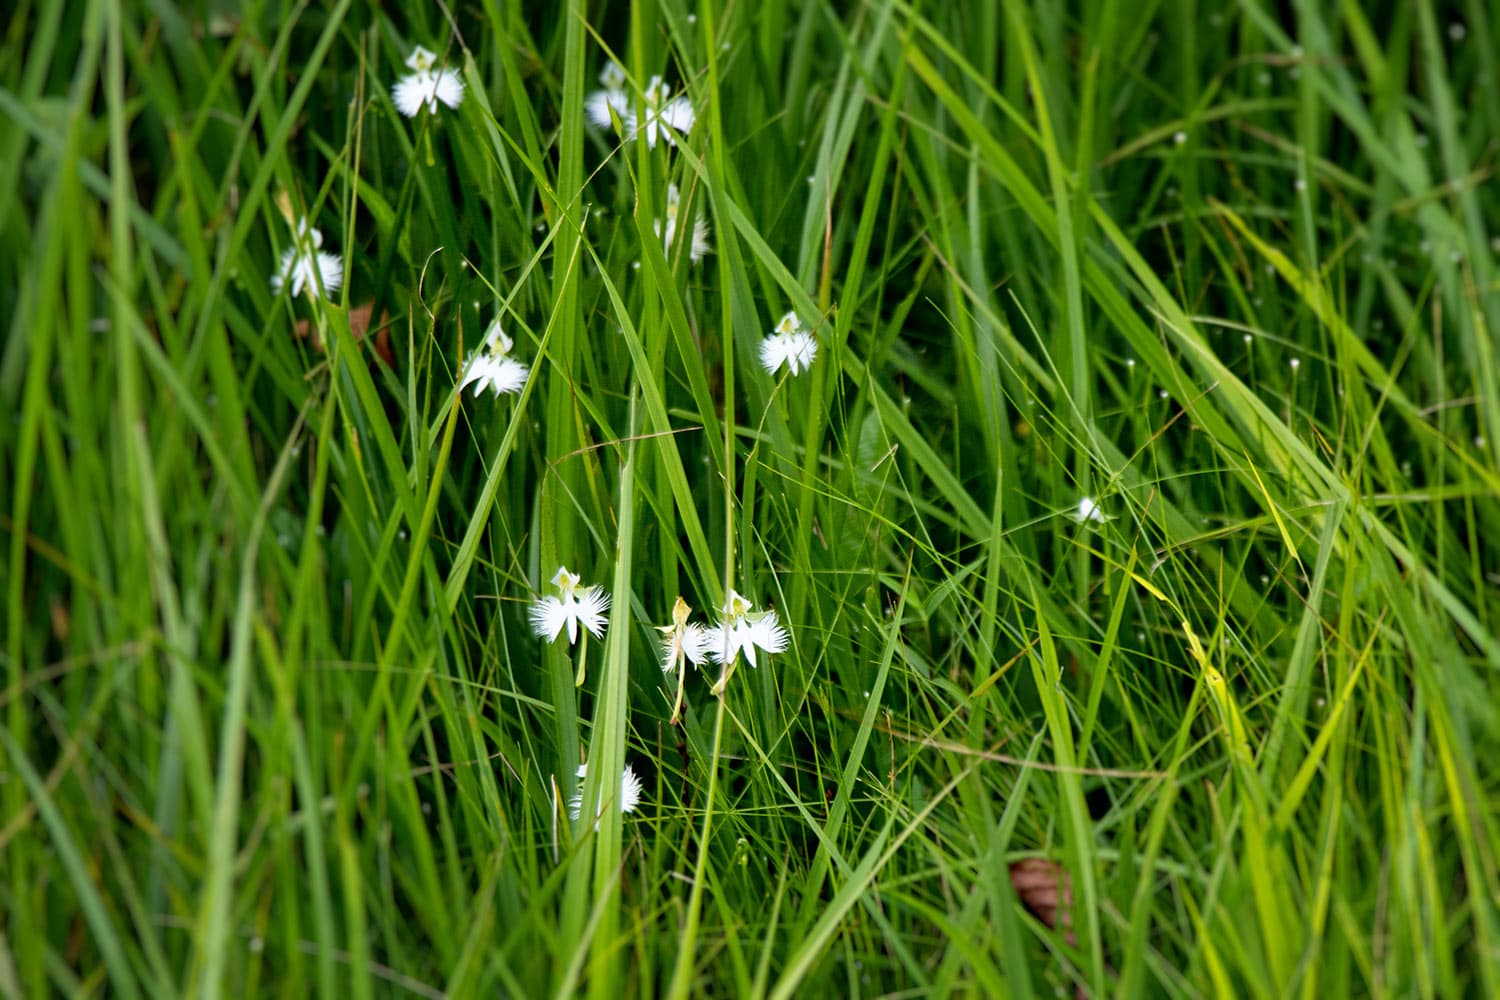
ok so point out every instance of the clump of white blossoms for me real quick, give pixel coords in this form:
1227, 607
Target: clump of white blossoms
305, 265
790, 344
744, 630
630, 794
426, 85
491, 367
668, 230
683, 642
612, 107
1088, 512
613, 97
576, 605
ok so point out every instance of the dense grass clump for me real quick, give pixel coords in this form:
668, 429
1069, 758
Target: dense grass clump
1123, 486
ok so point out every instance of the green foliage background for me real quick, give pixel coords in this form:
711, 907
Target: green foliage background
271, 718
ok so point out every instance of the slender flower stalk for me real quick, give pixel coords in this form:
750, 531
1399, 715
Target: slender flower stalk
683, 642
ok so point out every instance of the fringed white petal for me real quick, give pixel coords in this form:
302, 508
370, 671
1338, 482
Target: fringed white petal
630, 794
679, 115
489, 371
590, 607
548, 616
449, 89
598, 105
801, 349
305, 268
410, 92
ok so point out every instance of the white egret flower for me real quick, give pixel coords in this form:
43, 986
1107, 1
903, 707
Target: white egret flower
1088, 512
790, 344
304, 265
612, 98
683, 641
630, 794
490, 367
492, 371
426, 85
668, 230
743, 630
576, 605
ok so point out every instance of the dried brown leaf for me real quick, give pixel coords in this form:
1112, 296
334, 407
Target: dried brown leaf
1046, 890
62, 620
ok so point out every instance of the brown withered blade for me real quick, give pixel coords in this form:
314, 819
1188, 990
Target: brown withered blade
359, 326
1046, 890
